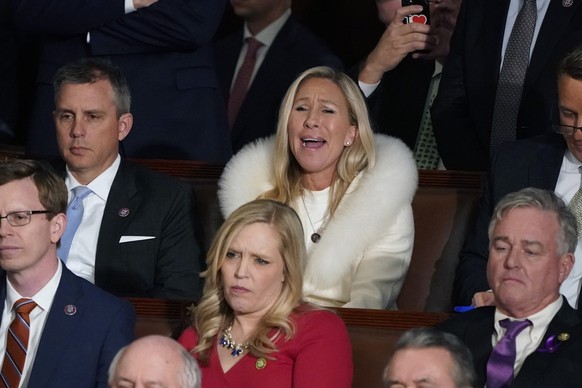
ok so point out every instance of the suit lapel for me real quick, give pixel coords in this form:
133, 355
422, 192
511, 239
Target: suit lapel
493, 28
59, 329
226, 53
478, 339
544, 172
123, 203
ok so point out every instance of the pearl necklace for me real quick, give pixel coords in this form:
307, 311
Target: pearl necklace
226, 341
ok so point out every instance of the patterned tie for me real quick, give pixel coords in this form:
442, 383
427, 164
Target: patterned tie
243, 78
502, 359
575, 206
74, 217
425, 151
16, 344
512, 75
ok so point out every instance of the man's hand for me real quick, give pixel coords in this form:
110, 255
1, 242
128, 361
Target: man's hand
481, 299
137, 4
396, 43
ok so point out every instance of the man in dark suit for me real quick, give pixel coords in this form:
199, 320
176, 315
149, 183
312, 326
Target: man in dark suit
163, 47
136, 237
463, 109
533, 237
75, 328
548, 162
396, 76
288, 49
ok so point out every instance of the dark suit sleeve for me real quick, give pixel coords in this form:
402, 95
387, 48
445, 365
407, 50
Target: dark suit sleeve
167, 25
120, 334
56, 17
178, 264
456, 137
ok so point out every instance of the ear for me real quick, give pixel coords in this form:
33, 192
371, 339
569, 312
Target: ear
124, 123
566, 264
350, 135
58, 225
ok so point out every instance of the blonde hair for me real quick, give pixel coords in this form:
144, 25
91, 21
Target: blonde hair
360, 155
213, 313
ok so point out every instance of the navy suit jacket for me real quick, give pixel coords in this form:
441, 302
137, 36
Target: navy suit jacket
558, 369
164, 52
397, 104
166, 266
75, 350
525, 163
294, 50
463, 109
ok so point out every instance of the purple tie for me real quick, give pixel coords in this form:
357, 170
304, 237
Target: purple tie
502, 359
243, 78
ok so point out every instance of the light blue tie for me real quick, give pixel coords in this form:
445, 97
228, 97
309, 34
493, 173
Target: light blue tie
74, 217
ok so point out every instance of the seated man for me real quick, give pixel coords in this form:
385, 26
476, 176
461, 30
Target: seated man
533, 338
155, 361
57, 330
427, 357
547, 162
135, 234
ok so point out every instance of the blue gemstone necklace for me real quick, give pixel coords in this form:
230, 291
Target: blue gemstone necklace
226, 341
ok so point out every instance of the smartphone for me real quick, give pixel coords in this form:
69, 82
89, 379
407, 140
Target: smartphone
422, 17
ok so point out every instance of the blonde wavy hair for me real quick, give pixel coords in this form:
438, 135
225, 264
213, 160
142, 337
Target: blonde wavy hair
355, 158
213, 314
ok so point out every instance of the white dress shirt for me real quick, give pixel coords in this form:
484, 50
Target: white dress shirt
266, 36
81, 259
44, 299
530, 338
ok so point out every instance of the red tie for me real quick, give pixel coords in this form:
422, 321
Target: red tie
243, 78
16, 344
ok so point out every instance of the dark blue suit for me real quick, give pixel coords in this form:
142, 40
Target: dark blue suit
463, 109
558, 369
294, 50
161, 49
532, 162
76, 350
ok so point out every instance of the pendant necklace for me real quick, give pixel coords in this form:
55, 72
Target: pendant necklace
227, 342
315, 236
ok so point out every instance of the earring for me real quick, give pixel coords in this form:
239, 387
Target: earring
347, 143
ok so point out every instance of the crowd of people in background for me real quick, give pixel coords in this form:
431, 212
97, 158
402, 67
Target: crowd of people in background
321, 153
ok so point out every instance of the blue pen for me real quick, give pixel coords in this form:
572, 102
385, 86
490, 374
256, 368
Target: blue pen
462, 309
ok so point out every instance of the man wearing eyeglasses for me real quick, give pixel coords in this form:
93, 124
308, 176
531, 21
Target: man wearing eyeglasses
56, 329
550, 162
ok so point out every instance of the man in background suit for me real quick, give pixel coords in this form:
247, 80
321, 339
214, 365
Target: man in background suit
533, 236
136, 237
462, 112
75, 327
163, 48
396, 77
288, 49
549, 162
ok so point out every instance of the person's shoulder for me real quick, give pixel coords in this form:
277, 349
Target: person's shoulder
189, 338
310, 317
101, 302
153, 179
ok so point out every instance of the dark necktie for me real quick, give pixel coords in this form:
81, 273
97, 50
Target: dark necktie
425, 150
512, 76
502, 359
74, 216
243, 78
16, 344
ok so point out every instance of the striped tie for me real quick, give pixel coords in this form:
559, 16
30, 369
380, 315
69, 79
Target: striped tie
16, 344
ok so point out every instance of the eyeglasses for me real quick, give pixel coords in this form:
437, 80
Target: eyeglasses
566, 130
23, 217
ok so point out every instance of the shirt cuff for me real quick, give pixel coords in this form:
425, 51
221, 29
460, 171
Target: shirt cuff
129, 6
368, 89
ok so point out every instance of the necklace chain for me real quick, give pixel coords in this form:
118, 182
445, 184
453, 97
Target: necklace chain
315, 236
227, 342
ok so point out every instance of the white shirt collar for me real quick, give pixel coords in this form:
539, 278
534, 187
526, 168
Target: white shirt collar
44, 297
268, 34
101, 185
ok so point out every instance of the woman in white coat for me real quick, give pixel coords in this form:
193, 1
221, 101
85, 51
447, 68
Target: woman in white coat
352, 190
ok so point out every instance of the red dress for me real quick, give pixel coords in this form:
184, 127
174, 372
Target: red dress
318, 356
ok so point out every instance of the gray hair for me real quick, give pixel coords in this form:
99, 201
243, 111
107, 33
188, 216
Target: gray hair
463, 372
90, 70
190, 376
543, 200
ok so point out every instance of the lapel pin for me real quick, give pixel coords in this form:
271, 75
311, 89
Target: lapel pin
567, 3
564, 337
124, 212
261, 363
70, 309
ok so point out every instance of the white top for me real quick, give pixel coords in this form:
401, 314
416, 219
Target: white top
530, 338
44, 299
81, 259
